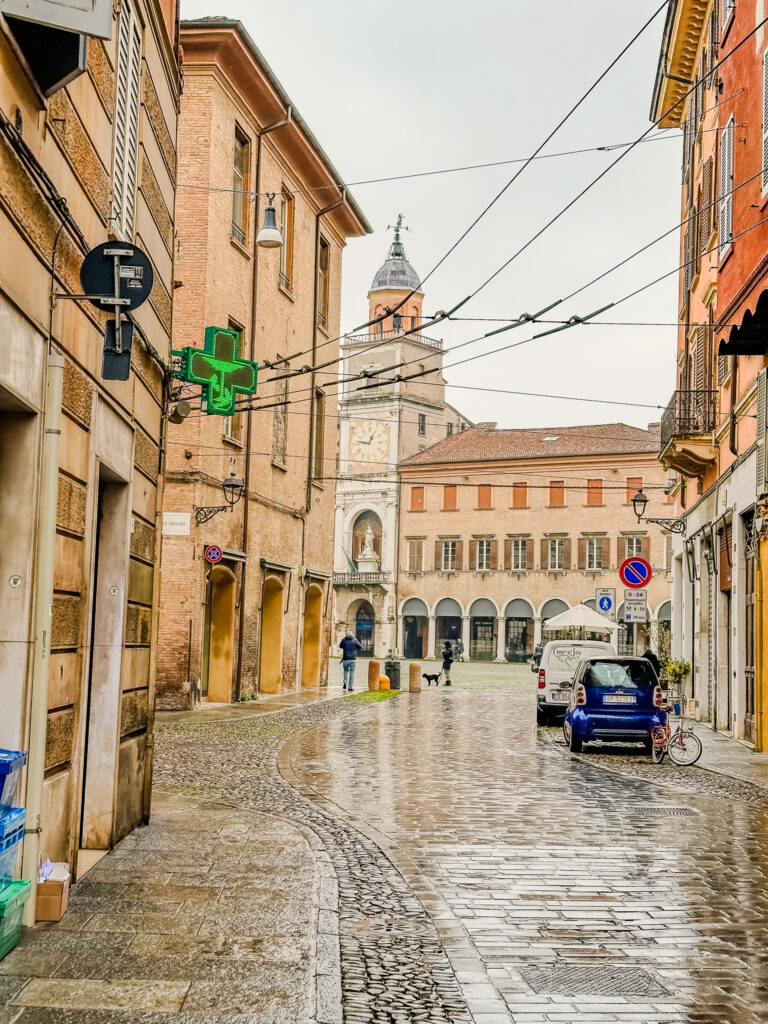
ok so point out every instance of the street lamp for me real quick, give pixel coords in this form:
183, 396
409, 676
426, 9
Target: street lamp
639, 504
233, 488
269, 237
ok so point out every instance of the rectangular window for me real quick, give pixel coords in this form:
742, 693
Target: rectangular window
594, 552
450, 498
449, 429
415, 556
417, 499
483, 555
633, 547
634, 484
484, 496
125, 160
318, 455
556, 553
594, 492
519, 495
280, 413
240, 176
726, 9
323, 277
422, 424
519, 559
286, 249
765, 122
726, 187
448, 560
556, 493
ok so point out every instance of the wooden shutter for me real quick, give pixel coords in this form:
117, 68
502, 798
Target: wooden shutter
726, 541
438, 554
582, 552
508, 553
545, 554
459, 553
127, 109
705, 213
668, 551
701, 361
687, 259
765, 122
567, 553
645, 548
762, 417
450, 497
473, 554
529, 554
417, 499
494, 554
726, 185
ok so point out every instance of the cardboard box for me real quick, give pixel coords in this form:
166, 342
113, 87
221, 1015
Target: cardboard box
53, 894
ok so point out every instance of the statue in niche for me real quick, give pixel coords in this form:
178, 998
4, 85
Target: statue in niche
368, 545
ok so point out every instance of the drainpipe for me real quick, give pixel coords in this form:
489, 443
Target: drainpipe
46, 554
248, 429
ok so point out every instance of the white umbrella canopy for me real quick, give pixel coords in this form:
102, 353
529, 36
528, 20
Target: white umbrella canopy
580, 616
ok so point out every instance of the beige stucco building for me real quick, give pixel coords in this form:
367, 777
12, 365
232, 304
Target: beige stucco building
259, 619
501, 529
87, 155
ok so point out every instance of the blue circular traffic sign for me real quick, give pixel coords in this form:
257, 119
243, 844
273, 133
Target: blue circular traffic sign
606, 603
213, 554
635, 572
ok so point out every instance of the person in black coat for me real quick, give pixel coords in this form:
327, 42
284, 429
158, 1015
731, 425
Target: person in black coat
447, 661
650, 656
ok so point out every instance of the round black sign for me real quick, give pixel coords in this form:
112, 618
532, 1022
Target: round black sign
135, 275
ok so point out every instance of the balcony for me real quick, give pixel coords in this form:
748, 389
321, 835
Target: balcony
374, 339
361, 579
686, 432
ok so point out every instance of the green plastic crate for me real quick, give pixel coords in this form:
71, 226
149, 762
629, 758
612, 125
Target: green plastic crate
12, 900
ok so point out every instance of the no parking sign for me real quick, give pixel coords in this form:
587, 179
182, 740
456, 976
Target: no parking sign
635, 572
213, 554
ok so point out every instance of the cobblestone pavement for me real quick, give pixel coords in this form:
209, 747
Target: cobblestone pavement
565, 888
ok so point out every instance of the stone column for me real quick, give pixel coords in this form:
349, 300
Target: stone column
501, 628
465, 635
431, 637
536, 632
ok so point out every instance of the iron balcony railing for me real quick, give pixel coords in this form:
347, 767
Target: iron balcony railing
366, 579
368, 339
689, 413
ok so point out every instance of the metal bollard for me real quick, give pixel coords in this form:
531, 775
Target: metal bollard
374, 671
384, 683
414, 678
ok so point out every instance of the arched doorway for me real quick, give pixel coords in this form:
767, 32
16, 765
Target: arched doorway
271, 642
518, 640
447, 620
365, 628
310, 648
415, 628
365, 521
219, 644
548, 611
482, 623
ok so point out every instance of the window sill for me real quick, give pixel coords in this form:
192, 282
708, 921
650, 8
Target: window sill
449, 510
323, 329
518, 508
241, 248
725, 257
233, 441
279, 465
319, 485
286, 292
478, 509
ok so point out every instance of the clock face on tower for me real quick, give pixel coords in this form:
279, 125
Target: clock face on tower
369, 442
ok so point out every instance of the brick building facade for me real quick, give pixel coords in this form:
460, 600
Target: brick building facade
502, 529
259, 620
87, 155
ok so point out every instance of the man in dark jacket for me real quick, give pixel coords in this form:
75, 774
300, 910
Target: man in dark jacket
447, 661
350, 645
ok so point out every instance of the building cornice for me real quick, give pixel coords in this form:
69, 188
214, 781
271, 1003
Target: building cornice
685, 25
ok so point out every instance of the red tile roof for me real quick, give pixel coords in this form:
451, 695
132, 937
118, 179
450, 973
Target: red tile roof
484, 443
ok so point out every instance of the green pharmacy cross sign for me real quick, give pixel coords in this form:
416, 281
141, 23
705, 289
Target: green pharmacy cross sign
217, 368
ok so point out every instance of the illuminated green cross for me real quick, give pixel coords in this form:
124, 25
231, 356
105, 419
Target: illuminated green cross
217, 368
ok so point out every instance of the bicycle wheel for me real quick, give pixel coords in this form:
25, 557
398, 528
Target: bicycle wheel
685, 748
657, 752
659, 744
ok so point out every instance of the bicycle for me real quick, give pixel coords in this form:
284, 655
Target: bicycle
682, 744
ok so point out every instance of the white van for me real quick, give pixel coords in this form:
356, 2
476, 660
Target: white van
559, 661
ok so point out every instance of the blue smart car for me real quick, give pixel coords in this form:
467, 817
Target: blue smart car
613, 699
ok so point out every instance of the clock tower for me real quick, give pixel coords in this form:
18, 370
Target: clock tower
383, 421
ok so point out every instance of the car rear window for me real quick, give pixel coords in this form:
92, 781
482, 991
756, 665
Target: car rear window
616, 674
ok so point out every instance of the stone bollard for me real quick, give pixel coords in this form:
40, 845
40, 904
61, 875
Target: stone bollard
384, 683
414, 677
374, 671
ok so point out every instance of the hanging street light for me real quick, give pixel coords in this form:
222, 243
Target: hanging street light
233, 488
269, 237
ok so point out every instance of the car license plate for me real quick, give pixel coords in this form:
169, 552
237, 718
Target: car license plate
619, 698
559, 698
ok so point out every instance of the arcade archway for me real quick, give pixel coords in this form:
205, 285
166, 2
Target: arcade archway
415, 628
310, 648
271, 641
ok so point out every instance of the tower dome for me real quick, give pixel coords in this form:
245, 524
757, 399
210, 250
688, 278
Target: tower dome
396, 273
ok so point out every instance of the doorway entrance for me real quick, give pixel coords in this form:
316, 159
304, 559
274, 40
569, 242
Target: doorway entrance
415, 628
310, 651
219, 644
271, 640
482, 628
365, 623
105, 659
750, 543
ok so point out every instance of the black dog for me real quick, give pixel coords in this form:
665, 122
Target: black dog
431, 679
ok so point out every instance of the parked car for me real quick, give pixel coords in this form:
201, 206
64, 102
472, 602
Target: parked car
557, 666
614, 699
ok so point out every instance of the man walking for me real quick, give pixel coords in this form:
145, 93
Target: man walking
350, 645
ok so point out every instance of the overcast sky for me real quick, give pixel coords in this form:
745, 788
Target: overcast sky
399, 88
